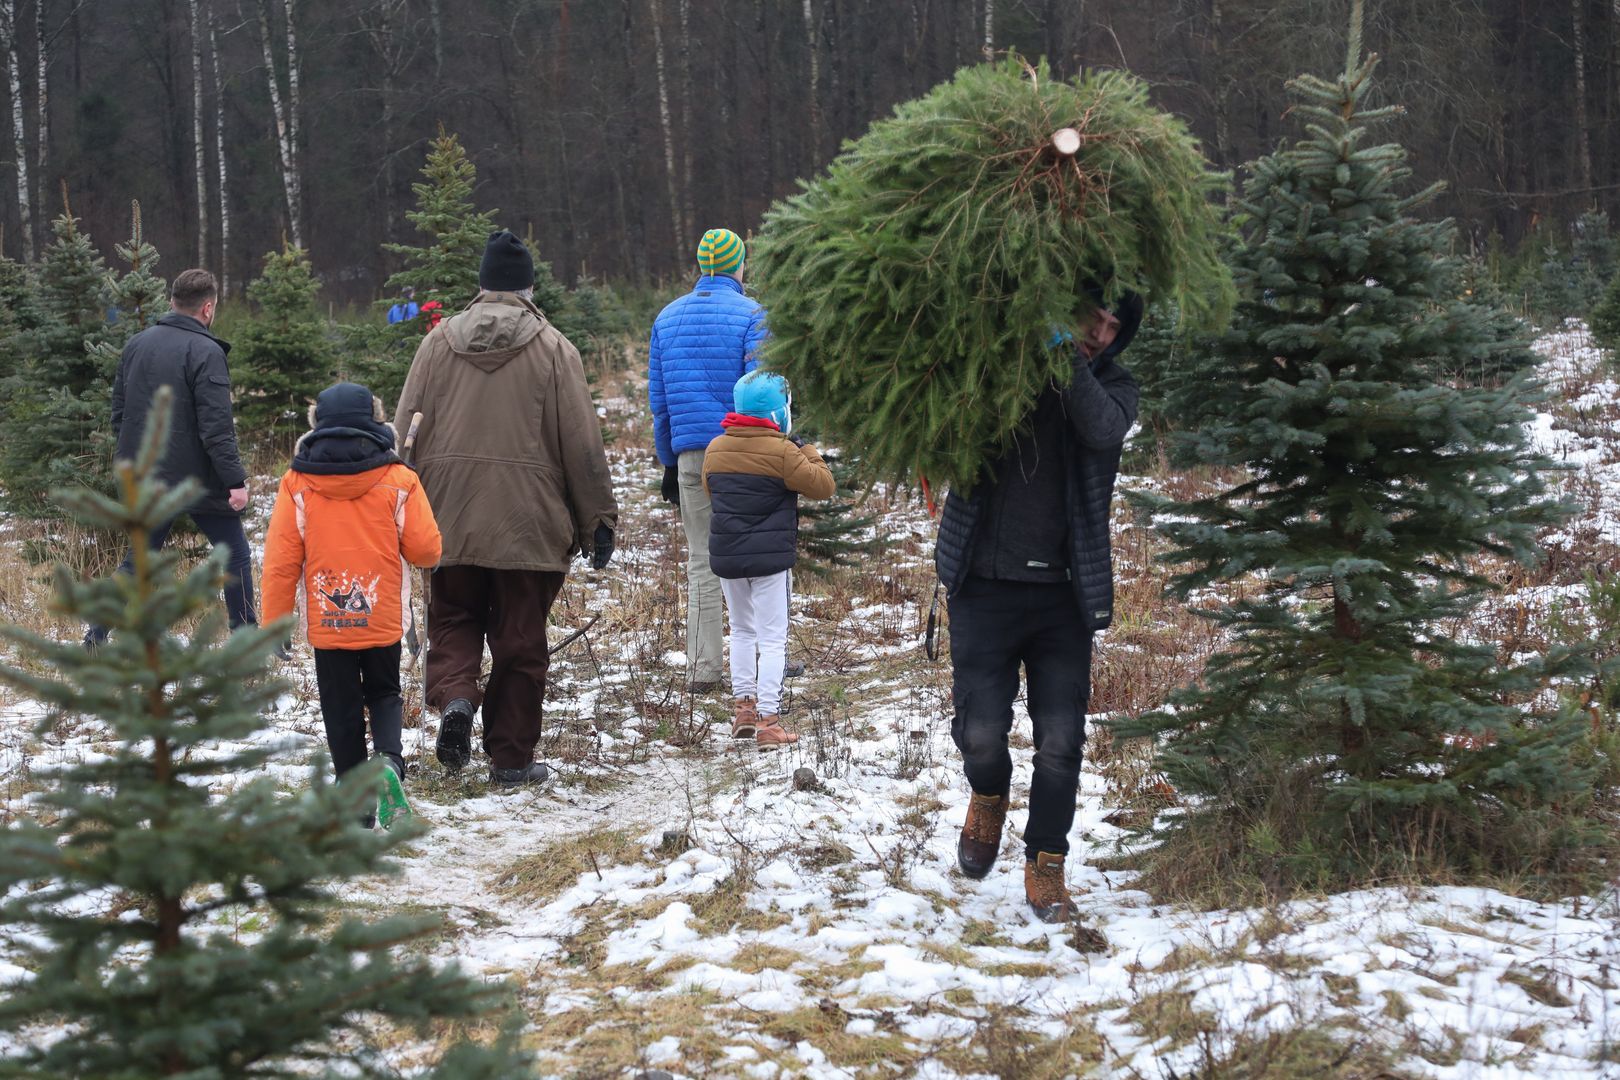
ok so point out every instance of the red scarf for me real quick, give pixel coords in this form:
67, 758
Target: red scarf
739, 420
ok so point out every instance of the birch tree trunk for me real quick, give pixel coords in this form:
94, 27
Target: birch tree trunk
289, 168
1223, 87
219, 147
294, 111
688, 210
8, 32
42, 101
989, 29
815, 82
677, 225
199, 148
1583, 139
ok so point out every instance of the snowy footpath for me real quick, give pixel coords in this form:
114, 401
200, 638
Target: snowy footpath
676, 904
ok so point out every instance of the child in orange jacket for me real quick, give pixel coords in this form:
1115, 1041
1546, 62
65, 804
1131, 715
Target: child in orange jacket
349, 522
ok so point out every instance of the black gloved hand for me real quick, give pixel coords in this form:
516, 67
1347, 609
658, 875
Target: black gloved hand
796, 440
601, 547
670, 489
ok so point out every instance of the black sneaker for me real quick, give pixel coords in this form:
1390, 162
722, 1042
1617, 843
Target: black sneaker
534, 773
454, 746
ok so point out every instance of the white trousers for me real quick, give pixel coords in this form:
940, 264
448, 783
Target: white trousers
758, 608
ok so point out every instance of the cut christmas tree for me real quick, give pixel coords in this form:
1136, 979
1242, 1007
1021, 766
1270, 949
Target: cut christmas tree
915, 289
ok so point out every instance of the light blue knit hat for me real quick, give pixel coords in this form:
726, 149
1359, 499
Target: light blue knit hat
766, 395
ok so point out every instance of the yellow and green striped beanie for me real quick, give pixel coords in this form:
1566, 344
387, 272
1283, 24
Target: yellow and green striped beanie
720, 252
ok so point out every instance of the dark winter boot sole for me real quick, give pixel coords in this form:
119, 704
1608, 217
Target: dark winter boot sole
454, 745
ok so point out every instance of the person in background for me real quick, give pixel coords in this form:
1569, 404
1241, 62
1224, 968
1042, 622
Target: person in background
753, 475
405, 310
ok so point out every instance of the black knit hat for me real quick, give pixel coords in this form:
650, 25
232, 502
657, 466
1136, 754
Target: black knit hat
352, 407
507, 265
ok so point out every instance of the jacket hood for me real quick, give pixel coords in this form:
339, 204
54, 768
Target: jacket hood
341, 453
492, 329
1128, 310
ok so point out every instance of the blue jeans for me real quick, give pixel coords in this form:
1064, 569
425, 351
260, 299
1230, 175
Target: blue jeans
220, 529
995, 627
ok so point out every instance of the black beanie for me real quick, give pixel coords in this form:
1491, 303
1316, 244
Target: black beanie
350, 406
507, 265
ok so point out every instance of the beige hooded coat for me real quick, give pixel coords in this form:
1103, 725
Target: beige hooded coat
509, 448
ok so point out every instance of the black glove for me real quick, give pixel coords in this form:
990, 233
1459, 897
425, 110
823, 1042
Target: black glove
601, 547
796, 440
670, 489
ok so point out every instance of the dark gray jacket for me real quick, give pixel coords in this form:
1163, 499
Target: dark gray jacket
1099, 407
179, 352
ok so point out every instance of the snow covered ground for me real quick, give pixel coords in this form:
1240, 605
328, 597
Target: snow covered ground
675, 903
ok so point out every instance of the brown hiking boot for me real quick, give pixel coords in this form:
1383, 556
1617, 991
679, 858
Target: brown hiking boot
1046, 889
744, 718
771, 734
980, 842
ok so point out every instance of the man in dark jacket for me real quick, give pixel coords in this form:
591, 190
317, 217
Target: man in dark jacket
1025, 560
180, 353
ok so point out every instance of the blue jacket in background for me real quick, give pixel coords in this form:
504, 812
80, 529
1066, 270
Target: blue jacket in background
701, 345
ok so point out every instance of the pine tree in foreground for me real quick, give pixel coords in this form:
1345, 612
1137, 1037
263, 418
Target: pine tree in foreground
179, 914
914, 289
1352, 727
282, 358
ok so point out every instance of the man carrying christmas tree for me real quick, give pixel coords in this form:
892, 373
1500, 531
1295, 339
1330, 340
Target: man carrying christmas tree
1024, 557
510, 451
701, 345
180, 353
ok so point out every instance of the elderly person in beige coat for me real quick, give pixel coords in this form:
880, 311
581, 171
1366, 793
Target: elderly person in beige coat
510, 452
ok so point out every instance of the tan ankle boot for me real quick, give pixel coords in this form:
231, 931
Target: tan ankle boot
1046, 889
744, 718
980, 842
771, 734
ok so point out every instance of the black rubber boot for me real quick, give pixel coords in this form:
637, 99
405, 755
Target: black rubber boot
454, 746
534, 773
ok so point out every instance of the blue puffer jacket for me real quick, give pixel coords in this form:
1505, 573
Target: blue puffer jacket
701, 345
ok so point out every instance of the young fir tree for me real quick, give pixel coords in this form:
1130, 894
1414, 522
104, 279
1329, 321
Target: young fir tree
131, 893
1350, 725
1606, 317
281, 359
58, 399
443, 269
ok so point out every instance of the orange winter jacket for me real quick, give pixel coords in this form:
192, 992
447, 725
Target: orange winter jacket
342, 546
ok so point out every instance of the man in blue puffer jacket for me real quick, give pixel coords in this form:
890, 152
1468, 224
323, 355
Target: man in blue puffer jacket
701, 345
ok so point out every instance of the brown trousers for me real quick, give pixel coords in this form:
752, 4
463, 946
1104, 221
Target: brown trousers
469, 605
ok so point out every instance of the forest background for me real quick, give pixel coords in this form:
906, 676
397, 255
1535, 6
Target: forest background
614, 131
